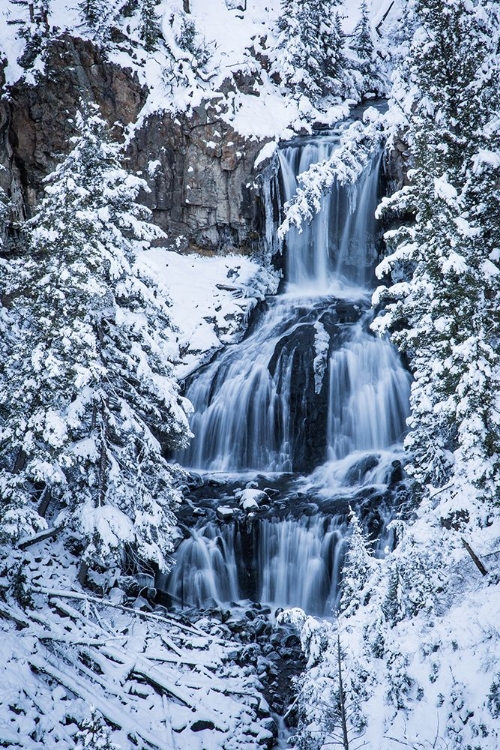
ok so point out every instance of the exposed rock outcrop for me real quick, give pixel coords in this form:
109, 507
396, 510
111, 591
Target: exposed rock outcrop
203, 186
37, 121
204, 192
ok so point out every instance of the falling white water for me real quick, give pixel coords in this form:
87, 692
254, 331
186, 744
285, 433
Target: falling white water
207, 567
338, 246
368, 395
287, 399
242, 410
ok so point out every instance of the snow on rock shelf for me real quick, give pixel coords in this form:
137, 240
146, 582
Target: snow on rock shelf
212, 298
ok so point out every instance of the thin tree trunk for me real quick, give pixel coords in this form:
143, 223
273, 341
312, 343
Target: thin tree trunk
479, 565
185, 5
44, 502
82, 573
343, 718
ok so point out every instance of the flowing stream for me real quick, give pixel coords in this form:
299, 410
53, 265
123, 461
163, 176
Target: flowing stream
309, 391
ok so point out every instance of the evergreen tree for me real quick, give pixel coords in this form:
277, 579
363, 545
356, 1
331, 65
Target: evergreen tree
362, 46
414, 576
331, 689
33, 22
93, 11
150, 26
95, 734
362, 40
332, 40
447, 311
188, 51
308, 57
358, 565
89, 402
99, 16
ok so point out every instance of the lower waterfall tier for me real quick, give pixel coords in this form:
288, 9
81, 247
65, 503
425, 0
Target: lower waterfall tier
286, 548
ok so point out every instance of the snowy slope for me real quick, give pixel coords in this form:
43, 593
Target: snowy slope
212, 298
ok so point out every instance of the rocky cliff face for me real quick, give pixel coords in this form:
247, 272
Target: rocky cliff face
204, 190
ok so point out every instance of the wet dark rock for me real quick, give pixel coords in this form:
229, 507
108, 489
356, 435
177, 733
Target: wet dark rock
271, 726
397, 473
260, 626
194, 480
287, 653
201, 724
271, 491
249, 654
276, 638
360, 468
263, 708
215, 482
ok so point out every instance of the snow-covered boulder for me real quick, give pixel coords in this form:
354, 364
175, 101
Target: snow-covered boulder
250, 498
224, 512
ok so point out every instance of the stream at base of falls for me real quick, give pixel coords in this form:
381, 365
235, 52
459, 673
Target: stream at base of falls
300, 421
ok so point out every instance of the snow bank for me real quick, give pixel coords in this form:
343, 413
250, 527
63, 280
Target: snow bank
212, 298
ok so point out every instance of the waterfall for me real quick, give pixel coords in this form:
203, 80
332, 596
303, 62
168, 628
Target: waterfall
337, 248
309, 390
207, 567
368, 395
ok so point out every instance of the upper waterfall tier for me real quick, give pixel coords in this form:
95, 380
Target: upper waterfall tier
337, 248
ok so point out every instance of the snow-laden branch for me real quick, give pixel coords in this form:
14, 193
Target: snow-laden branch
357, 145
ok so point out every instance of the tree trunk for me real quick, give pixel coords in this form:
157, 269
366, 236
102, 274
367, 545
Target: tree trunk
477, 561
343, 717
82, 573
185, 5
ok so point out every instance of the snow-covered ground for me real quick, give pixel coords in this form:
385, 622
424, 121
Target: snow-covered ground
212, 298
158, 680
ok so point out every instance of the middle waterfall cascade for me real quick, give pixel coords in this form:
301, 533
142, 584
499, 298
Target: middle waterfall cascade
309, 389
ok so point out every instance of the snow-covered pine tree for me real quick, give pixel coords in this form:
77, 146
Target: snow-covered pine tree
32, 18
95, 734
17, 516
187, 48
91, 404
150, 26
447, 312
289, 53
358, 565
100, 16
361, 44
309, 55
310, 66
93, 11
331, 690
331, 40
308, 58
414, 575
